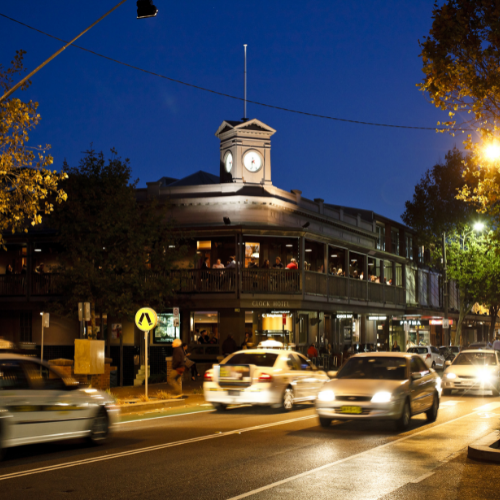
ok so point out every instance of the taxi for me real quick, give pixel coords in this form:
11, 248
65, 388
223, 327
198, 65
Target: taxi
263, 376
38, 405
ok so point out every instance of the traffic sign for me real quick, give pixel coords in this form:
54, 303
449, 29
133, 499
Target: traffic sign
146, 319
176, 322
446, 323
176, 311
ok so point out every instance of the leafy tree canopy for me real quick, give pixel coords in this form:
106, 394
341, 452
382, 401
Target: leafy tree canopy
434, 207
461, 60
27, 188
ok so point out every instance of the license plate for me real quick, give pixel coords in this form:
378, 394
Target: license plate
351, 409
233, 393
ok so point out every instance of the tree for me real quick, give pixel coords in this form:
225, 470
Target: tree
117, 252
27, 188
434, 207
461, 58
466, 258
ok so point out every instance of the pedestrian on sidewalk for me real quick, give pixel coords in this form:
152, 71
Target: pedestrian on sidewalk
189, 362
178, 366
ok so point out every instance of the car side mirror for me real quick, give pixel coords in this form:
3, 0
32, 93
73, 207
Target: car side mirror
416, 375
332, 374
447, 363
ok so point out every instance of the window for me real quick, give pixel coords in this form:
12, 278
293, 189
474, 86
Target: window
435, 350
421, 255
266, 360
12, 376
41, 377
380, 236
292, 362
417, 365
409, 247
376, 368
305, 364
395, 241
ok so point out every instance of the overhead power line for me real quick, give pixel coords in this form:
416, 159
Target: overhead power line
288, 110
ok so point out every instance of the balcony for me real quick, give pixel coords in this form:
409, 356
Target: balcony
204, 280
270, 281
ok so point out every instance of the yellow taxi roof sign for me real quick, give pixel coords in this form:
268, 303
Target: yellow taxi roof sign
146, 319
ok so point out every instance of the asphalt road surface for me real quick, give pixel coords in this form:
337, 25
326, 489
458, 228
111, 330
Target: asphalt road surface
261, 453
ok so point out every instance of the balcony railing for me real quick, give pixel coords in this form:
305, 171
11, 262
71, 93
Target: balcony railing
44, 284
204, 280
270, 281
13, 284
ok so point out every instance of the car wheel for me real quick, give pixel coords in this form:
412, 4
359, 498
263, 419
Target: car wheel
325, 422
99, 431
403, 422
287, 403
446, 392
220, 406
432, 412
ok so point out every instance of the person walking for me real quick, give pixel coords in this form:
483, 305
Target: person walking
395, 347
189, 362
312, 352
178, 367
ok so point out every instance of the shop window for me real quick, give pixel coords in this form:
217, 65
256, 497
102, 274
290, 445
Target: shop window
252, 254
205, 324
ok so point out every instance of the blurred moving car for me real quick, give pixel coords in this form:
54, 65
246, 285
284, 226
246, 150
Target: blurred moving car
37, 405
431, 356
273, 377
380, 386
476, 369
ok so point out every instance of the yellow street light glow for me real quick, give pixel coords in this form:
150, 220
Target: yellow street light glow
478, 226
492, 152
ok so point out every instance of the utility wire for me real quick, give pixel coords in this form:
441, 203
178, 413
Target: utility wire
288, 110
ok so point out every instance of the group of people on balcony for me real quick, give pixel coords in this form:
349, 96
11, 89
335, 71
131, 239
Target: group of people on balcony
355, 274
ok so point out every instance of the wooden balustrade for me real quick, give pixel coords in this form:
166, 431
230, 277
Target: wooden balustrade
204, 280
44, 284
13, 284
270, 281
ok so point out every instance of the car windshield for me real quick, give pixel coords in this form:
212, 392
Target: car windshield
266, 359
376, 368
475, 358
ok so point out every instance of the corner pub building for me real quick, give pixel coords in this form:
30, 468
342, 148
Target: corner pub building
360, 277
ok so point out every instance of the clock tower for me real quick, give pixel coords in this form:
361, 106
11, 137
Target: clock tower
245, 151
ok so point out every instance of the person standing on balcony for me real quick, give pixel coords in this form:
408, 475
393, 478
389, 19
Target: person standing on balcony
218, 265
232, 264
266, 264
204, 265
9, 270
292, 264
278, 264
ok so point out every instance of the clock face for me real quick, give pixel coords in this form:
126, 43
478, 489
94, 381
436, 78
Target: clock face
228, 162
252, 161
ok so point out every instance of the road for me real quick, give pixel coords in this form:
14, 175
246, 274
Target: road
261, 453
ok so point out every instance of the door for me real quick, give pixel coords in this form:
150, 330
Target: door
417, 385
309, 381
294, 375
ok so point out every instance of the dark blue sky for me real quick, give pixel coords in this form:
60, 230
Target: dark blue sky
356, 60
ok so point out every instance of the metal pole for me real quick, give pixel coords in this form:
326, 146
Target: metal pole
245, 98
445, 293
42, 341
24, 80
146, 361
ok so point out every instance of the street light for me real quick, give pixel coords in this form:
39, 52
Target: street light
492, 151
478, 226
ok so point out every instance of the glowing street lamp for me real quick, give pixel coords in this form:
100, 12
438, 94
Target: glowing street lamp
478, 226
492, 151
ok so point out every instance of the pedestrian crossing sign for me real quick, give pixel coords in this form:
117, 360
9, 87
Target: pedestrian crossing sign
146, 319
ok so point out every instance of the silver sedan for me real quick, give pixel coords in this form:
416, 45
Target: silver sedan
380, 386
271, 377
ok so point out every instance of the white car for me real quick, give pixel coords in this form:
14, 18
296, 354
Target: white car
37, 405
272, 377
431, 356
477, 369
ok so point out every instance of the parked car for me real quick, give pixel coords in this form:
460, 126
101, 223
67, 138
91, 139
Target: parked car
430, 355
37, 405
447, 353
380, 386
272, 377
476, 369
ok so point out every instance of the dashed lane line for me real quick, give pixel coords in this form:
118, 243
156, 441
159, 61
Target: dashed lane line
148, 449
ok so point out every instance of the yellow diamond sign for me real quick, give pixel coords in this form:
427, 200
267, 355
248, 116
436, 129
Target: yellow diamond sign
146, 319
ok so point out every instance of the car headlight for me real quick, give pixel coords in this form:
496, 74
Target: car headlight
450, 376
382, 397
326, 396
484, 376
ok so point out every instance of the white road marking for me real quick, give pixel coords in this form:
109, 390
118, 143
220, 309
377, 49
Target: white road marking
450, 403
148, 449
488, 407
421, 478
347, 459
164, 416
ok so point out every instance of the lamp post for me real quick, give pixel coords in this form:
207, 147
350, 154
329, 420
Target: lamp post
446, 323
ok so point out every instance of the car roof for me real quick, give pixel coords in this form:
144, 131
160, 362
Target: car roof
491, 351
383, 355
15, 356
264, 351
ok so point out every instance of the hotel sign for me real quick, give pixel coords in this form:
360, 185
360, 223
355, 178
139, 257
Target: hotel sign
271, 303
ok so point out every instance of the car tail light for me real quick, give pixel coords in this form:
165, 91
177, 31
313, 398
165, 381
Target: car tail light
428, 356
207, 376
265, 377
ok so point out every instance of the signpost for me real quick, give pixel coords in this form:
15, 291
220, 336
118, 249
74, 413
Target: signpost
176, 320
45, 324
146, 319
